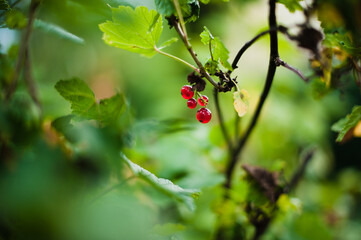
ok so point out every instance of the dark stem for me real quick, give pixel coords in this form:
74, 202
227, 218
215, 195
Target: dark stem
221, 122
29, 80
269, 79
282, 63
248, 44
298, 174
23, 46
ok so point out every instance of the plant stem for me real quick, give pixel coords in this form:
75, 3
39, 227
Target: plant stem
248, 44
29, 80
221, 122
279, 62
177, 59
269, 79
192, 53
23, 46
180, 15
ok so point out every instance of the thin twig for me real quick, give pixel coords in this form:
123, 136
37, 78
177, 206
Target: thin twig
248, 44
29, 80
192, 53
23, 46
298, 174
269, 79
282, 63
221, 122
108, 190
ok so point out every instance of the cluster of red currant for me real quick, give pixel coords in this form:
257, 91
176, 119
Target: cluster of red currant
203, 114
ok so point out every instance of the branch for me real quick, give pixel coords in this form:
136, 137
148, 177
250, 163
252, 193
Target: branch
29, 80
298, 174
221, 122
192, 53
269, 79
23, 46
248, 44
280, 62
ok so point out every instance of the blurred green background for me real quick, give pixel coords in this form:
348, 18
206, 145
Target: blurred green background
42, 194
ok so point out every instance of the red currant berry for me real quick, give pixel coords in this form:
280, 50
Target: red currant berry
187, 92
204, 115
192, 103
203, 100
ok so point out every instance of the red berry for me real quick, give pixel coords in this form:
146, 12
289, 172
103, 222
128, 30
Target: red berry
192, 103
204, 115
203, 100
187, 92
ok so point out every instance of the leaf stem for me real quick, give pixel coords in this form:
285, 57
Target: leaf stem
176, 58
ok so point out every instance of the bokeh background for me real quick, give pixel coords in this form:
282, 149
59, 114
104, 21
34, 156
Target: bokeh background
40, 196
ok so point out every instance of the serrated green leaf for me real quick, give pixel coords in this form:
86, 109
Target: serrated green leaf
218, 51
136, 30
291, 5
56, 30
84, 104
211, 66
185, 196
345, 124
15, 19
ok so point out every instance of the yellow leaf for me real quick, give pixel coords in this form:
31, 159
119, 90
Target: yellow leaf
357, 130
241, 102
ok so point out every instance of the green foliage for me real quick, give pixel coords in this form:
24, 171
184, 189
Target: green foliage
57, 31
136, 30
84, 104
164, 185
292, 5
15, 19
345, 124
342, 41
218, 51
4, 5
190, 8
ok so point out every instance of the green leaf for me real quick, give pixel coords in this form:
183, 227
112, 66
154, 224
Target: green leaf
341, 40
4, 5
56, 30
84, 104
292, 5
15, 19
190, 8
185, 196
218, 51
137, 30
345, 124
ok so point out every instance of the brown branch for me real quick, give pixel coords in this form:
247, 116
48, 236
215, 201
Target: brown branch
23, 46
280, 62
